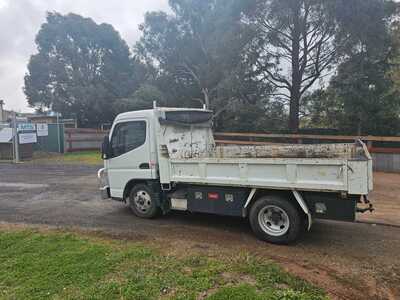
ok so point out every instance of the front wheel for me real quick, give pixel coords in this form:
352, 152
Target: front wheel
143, 201
276, 220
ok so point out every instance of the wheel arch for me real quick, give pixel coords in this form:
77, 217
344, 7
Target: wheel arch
133, 182
293, 195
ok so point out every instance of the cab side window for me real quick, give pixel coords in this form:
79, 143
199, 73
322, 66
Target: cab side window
127, 137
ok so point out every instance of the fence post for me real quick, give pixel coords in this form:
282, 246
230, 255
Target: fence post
15, 139
370, 145
69, 141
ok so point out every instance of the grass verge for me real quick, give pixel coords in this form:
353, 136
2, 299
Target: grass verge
85, 157
59, 265
82, 157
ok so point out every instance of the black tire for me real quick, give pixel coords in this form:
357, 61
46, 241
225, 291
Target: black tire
143, 201
276, 220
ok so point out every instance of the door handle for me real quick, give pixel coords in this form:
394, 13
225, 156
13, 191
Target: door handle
144, 166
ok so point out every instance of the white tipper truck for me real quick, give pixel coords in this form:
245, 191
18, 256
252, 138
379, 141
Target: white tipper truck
166, 159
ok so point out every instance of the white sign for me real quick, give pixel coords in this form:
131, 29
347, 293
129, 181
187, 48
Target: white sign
27, 138
6, 134
26, 127
42, 129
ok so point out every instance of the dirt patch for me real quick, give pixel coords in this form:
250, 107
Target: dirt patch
386, 200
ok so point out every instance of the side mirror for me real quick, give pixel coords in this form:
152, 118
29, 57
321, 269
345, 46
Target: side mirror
106, 152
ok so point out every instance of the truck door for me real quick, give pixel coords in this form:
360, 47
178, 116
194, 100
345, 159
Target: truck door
130, 155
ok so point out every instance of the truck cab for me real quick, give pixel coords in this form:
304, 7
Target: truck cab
166, 159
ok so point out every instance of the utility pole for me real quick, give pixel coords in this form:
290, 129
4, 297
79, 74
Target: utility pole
1, 111
15, 138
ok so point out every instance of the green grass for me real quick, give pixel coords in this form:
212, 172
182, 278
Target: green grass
58, 265
82, 157
85, 157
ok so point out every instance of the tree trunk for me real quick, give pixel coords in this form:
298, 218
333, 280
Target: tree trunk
294, 110
295, 92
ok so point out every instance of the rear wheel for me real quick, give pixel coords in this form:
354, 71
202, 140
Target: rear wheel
276, 220
143, 201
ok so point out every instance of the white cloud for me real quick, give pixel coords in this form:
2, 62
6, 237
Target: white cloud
3, 3
20, 20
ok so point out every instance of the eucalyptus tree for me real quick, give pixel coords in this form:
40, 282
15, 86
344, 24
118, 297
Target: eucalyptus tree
300, 41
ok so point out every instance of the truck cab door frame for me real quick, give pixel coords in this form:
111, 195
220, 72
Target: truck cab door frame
131, 154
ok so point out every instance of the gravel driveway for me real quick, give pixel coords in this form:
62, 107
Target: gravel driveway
350, 261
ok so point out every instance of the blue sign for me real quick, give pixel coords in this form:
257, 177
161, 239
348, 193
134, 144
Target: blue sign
26, 127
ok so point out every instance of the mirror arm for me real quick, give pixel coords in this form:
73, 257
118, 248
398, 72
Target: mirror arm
106, 148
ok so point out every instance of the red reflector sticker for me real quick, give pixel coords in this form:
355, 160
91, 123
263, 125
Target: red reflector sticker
213, 196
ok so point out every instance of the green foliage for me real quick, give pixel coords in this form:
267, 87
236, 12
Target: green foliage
253, 118
301, 41
363, 24
260, 65
199, 51
361, 97
80, 69
322, 109
294, 47
363, 92
142, 98
66, 266
394, 61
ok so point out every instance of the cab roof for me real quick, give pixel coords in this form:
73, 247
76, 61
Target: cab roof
155, 111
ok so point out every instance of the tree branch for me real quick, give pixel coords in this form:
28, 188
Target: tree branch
267, 25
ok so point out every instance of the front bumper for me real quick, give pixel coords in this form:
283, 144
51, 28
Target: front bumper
103, 184
105, 192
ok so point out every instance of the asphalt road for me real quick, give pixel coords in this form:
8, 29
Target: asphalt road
349, 260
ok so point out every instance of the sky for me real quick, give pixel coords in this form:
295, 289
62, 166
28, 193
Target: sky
20, 20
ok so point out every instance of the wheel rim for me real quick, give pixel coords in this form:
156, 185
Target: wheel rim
142, 201
273, 220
